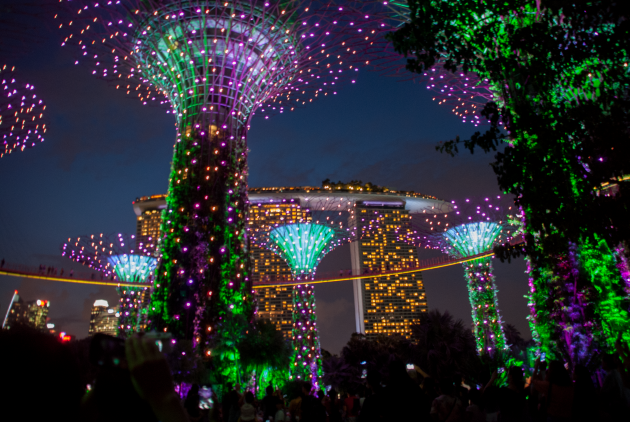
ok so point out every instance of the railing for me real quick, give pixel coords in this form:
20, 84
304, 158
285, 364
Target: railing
96, 277
69, 276
343, 275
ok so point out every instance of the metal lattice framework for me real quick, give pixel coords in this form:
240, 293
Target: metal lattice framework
215, 64
474, 226
22, 120
119, 257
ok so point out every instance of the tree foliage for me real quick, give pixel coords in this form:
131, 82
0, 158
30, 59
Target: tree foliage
444, 346
559, 128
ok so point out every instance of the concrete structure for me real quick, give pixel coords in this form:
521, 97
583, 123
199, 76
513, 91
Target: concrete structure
383, 305
148, 211
98, 308
274, 303
386, 304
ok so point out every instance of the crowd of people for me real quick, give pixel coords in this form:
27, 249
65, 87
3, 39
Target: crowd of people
43, 379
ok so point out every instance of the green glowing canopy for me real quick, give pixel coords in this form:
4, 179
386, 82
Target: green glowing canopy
302, 245
471, 239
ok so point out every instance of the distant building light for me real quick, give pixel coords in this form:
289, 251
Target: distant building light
50, 326
101, 302
110, 311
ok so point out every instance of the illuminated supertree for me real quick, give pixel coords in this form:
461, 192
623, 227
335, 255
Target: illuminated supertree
302, 246
119, 257
216, 63
22, 123
471, 229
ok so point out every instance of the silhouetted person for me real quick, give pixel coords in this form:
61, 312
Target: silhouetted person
191, 404
558, 390
269, 404
585, 398
2, 263
312, 409
614, 396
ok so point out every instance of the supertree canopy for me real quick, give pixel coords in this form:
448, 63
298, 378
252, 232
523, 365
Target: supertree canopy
465, 92
302, 246
216, 63
474, 227
120, 258
22, 123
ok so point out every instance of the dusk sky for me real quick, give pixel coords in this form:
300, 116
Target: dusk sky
104, 149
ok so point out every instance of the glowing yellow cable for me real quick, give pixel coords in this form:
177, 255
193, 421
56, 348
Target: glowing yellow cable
68, 280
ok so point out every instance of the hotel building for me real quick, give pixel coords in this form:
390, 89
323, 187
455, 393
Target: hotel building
388, 304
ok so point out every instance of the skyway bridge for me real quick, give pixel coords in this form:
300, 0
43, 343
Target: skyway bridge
96, 278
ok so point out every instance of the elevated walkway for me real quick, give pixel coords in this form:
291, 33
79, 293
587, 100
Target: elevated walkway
94, 278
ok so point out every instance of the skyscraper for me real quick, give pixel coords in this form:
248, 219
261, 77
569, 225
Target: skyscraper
32, 313
98, 308
274, 303
107, 322
148, 211
388, 304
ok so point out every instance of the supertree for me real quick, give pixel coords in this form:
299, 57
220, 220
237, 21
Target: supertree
22, 121
302, 246
474, 227
119, 257
216, 63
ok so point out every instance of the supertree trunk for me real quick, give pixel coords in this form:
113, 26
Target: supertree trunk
203, 278
562, 307
482, 293
306, 362
132, 310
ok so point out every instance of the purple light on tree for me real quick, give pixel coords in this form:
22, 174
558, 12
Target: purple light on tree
367, 23
214, 64
472, 228
22, 119
119, 257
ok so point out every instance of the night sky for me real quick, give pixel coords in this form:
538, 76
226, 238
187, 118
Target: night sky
104, 149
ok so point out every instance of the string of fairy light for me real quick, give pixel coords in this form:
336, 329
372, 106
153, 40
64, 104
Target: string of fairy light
22, 119
367, 22
122, 258
302, 246
472, 227
214, 64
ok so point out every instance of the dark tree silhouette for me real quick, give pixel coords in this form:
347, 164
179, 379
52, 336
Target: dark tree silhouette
444, 346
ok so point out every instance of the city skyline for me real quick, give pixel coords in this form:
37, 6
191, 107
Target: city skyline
89, 177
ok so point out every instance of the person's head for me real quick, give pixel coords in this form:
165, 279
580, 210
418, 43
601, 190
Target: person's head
610, 362
581, 375
515, 377
306, 388
352, 391
429, 385
194, 390
269, 390
557, 374
447, 388
474, 396
44, 375
249, 397
321, 394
